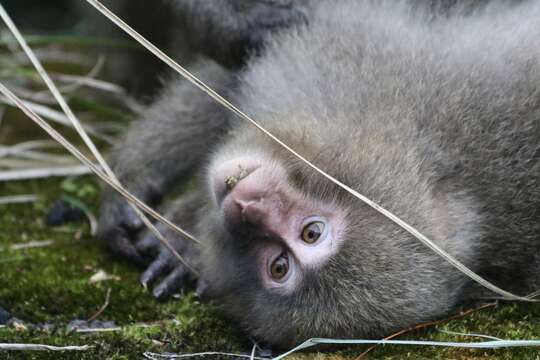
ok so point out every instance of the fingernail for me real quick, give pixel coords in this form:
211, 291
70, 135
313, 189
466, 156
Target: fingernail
201, 290
158, 292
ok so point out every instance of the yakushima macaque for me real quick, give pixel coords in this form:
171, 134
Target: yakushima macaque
434, 116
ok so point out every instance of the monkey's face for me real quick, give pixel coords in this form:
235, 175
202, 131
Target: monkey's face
286, 231
272, 227
291, 257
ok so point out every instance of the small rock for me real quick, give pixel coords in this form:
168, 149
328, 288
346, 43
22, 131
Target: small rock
4, 316
62, 212
100, 276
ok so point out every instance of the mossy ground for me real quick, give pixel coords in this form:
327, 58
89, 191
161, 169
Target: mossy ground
51, 284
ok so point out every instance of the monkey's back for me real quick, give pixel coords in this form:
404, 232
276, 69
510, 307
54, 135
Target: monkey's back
462, 91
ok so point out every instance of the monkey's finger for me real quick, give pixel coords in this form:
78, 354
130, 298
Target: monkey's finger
121, 246
148, 245
130, 219
158, 268
172, 283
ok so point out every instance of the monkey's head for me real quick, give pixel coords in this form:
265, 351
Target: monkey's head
291, 256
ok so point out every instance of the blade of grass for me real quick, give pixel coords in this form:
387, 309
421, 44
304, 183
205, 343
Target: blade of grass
27, 174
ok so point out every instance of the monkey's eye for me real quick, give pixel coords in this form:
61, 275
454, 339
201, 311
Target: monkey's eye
280, 267
312, 231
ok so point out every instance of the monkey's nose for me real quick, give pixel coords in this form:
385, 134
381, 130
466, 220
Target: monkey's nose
252, 211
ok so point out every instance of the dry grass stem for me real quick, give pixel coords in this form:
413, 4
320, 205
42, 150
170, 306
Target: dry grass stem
29, 245
40, 347
103, 307
18, 199
37, 173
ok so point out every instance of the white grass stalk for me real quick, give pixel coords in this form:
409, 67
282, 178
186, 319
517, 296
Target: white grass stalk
221, 100
18, 199
80, 130
41, 347
154, 356
29, 245
27, 174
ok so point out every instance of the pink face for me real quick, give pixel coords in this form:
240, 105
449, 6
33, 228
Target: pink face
254, 191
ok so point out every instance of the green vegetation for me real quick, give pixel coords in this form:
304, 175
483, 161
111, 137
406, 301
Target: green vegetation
51, 285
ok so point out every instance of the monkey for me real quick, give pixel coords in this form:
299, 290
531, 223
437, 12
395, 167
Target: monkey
436, 118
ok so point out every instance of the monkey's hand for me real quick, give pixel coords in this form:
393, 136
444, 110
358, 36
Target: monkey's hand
119, 224
171, 272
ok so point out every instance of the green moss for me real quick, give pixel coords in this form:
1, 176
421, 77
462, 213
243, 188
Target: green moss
50, 284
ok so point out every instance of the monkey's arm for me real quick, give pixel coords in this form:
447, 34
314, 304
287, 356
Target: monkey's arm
169, 141
228, 30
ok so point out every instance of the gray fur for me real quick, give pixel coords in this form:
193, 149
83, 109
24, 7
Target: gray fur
435, 118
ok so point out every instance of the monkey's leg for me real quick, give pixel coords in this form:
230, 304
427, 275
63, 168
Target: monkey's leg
169, 141
165, 265
230, 30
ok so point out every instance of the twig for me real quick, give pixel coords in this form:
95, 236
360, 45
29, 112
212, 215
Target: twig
429, 324
43, 172
40, 347
18, 199
103, 307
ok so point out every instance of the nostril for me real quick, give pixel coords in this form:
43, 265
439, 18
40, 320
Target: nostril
252, 211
